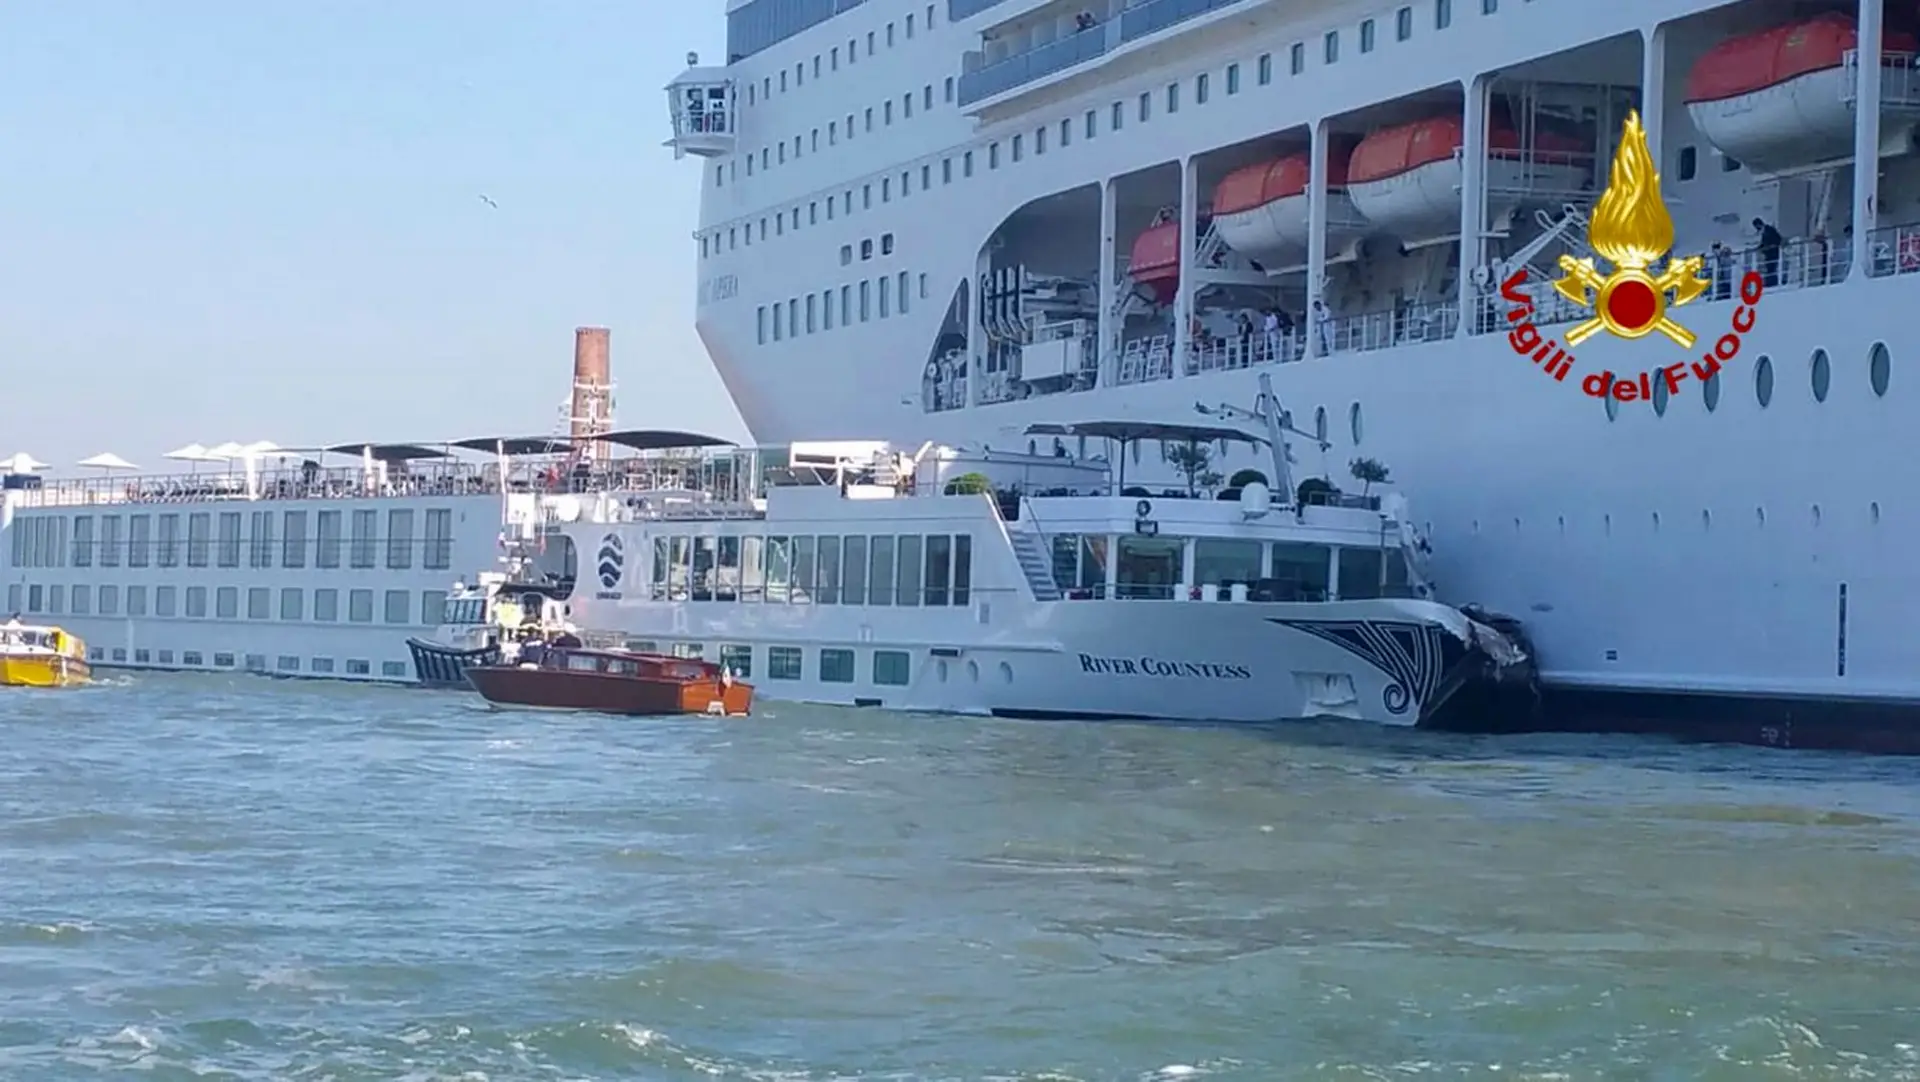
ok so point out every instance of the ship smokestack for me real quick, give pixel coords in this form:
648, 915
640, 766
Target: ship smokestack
592, 406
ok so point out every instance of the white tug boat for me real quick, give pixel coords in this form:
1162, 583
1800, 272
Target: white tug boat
1027, 585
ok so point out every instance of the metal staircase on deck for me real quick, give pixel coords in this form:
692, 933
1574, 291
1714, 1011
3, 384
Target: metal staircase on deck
1036, 563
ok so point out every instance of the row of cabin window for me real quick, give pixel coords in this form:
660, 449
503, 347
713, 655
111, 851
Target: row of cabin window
86, 599
42, 540
777, 153
762, 24
853, 302
286, 663
1202, 90
911, 569
886, 668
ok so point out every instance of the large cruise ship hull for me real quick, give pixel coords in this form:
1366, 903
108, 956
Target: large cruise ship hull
1728, 574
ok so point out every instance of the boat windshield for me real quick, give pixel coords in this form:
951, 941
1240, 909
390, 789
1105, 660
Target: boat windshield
17, 638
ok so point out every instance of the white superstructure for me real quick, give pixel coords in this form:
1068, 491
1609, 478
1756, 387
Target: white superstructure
280, 563
955, 220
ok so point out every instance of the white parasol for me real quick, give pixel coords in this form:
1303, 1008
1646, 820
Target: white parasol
21, 462
107, 460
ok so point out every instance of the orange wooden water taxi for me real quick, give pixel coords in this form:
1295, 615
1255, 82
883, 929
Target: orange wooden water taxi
613, 682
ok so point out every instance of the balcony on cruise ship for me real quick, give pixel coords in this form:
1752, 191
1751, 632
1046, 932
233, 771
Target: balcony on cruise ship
1057, 37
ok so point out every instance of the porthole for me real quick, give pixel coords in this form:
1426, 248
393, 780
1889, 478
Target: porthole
1879, 368
1822, 375
1320, 424
1353, 422
1660, 395
1763, 381
1612, 406
1710, 394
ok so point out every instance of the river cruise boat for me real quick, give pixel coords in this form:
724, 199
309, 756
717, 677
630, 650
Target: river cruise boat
981, 581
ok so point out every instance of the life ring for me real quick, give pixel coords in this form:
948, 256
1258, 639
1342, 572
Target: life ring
1910, 252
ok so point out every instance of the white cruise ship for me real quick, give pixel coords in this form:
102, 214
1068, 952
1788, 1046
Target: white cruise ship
316, 563
953, 220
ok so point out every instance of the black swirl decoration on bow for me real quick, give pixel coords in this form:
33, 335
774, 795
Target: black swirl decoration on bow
612, 560
1413, 655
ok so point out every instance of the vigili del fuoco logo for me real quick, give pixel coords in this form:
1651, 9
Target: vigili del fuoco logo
1632, 230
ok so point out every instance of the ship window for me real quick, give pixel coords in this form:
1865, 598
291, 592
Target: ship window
783, 663
880, 571
1066, 133
993, 155
833, 62
827, 575
906, 106
926, 177
962, 593
868, 115
1763, 381
1331, 46
833, 133
908, 569
760, 322
1263, 69
317, 664
853, 573
1297, 58
583, 662
846, 255
1019, 145
886, 113
360, 606
1361, 573
355, 666
886, 189
1822, 375
939, 568
1200, 89
752, 578
1119, 117
1489, 7
1879, 369
926, 96
1710, 392
866, 301
1366, 36
1233, 79
811, 317
826, 310
1302, 569
1040, 140
192, 657
1173, 97
1090, 122
1689, 163
1403, 24
1146, 106
702, 583
923, 296
737, 659
946, 170
1442, 14
657, 576
225, 661
226, 602
1660, 395
680, 554
846, 305
890, 668
399, 606
903, 293
949, 90
1148, 567
292, 604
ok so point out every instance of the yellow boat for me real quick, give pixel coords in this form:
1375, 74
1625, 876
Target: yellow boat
33, 656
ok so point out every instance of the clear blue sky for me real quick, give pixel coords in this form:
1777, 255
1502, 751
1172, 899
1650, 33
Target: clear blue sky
245, 221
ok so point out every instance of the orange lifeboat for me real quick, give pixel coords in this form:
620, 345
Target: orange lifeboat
1261, 210
1406, 179
1156, 260
1779, 98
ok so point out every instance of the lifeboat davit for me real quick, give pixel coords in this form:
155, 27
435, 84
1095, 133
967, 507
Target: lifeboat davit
1155, 265
1406, 179
1261, 211
1781, 98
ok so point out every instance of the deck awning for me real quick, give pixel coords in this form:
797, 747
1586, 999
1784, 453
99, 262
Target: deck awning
660, 439
1132, 431
516, 446
386, 452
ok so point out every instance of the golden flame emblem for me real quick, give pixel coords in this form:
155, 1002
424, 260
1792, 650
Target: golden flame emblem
1632, 229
